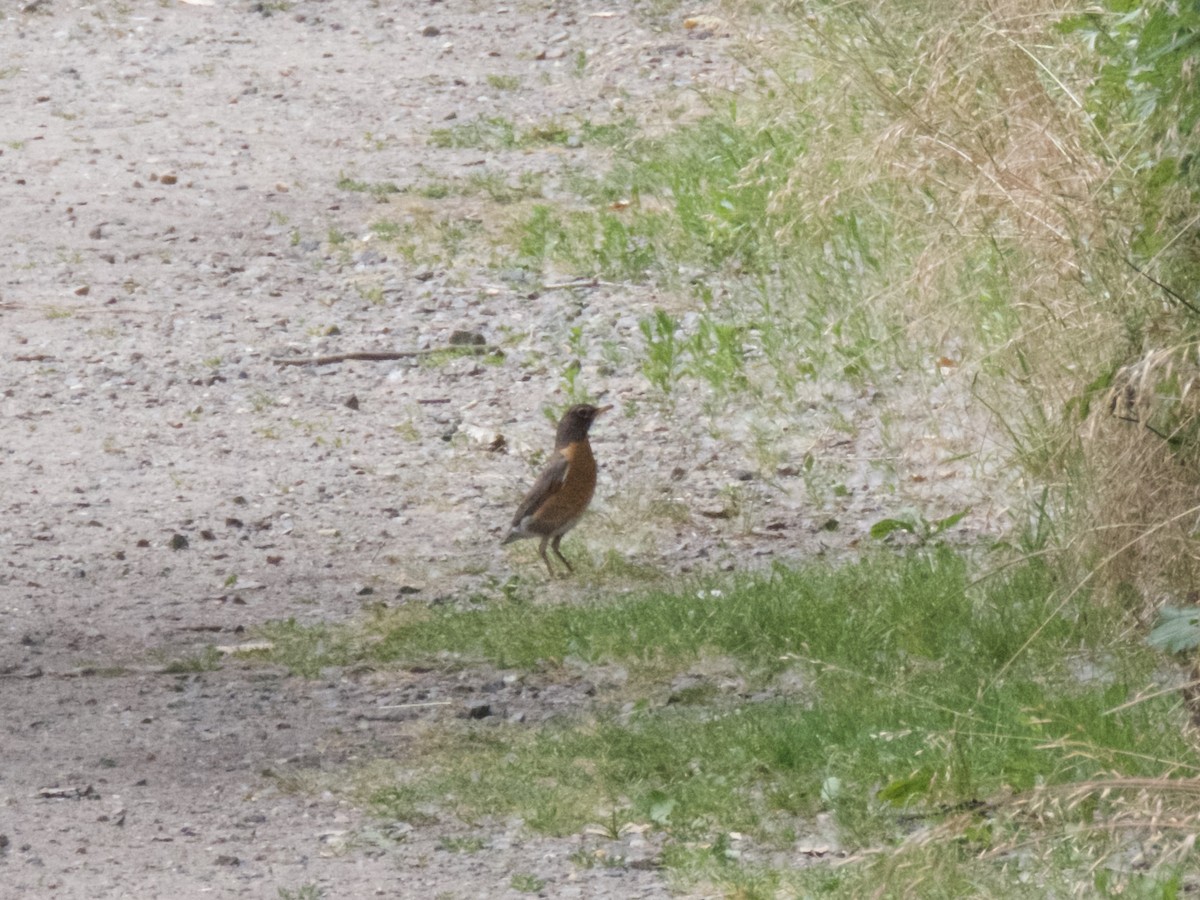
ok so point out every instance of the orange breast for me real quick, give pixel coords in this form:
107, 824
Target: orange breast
563, 509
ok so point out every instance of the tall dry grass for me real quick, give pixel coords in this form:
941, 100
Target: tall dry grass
1012, 218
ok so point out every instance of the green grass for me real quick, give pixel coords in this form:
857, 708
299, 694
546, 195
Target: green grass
206, 660
491, 357
310, 891
813, 287
380, 190
504, 82
700, 194
485, 133
500, 133
885, 694
469, 844
527, 883
496, 186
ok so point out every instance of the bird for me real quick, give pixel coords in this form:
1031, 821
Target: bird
564, 488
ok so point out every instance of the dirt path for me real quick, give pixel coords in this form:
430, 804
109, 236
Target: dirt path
173, 220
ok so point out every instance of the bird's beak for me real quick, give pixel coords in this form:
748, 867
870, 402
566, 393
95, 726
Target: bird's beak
603, 409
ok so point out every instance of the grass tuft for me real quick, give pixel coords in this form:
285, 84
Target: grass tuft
938, 720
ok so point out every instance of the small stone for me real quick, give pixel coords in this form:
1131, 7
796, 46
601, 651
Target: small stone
178, 542
169, 178
351, 402
463, 338
479, 710
83, 290
430, 31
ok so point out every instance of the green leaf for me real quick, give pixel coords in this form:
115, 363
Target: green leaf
661, 807
1177, 630
884, 527
950, 521
900, 791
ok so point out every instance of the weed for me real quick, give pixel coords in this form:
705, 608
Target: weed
372, 293
491, 133
267, 8
470, 844
386, 230
527, 883
540, 235
584, 858
499, 133
380, 190
916, 524
207, 660
1177, 630
436, 191
491, 357
504, 82
663, 350
311, 891
260, 401
499, 189
373, 141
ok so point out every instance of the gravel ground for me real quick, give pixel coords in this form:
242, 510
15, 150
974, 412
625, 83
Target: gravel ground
173, 222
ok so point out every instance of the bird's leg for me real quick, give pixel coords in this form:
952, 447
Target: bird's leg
545, 558
558, 553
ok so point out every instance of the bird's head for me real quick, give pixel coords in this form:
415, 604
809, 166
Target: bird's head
576, 421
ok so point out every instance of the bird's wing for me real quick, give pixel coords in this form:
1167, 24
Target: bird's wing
548, 483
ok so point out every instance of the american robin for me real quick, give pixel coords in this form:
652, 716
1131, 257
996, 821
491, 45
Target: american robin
564, 489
